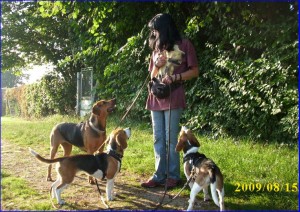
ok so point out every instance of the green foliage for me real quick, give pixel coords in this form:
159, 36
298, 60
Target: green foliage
128, 85
247, 55
51, 95
9, 79
248, 81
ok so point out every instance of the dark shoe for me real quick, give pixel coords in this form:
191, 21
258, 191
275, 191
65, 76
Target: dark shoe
150, 184
171, 183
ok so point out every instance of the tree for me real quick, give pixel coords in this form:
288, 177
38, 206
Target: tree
247, 56
9, 80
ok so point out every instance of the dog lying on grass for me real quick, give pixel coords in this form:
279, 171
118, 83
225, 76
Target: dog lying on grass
101, 165
204, 171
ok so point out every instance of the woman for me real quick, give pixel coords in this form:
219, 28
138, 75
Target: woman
163, 37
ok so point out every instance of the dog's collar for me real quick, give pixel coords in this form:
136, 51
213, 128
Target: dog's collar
194, 158
193, 149
95, 128
102, 164
115, 155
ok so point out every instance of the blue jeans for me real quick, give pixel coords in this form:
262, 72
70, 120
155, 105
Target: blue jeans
160, 123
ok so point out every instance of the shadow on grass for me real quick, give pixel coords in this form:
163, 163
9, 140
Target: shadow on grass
134, 197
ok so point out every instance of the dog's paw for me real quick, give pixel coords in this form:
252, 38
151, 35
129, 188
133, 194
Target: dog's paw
91, 180
190, 208
207, 198
110, 198
52, 194
191, 205
61, 202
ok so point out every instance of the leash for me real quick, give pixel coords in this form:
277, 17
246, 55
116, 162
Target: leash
160, 204
122, 119
51, 198
126, 113
192, 177
101, 197
168, 153
129, 108
134, 100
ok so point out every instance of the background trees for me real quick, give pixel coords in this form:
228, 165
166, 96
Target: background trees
247, 57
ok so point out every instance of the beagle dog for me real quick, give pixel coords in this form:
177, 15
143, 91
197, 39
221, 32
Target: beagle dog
204, 171
101, 165
88, 136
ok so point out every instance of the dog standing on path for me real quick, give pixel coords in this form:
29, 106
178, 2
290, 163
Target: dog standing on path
101, 165
88, 136
204, 171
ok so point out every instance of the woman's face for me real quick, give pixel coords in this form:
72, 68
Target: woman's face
153, 39
155, 33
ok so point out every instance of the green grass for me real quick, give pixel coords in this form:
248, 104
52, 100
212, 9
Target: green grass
243, 162
16, 190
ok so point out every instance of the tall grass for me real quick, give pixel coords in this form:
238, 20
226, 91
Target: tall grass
257, 176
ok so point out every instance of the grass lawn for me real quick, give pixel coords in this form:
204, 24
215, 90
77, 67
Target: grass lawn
257, 176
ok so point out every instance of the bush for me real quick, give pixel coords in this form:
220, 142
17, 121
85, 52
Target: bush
52, 95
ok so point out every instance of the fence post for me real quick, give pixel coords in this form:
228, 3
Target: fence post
78, 93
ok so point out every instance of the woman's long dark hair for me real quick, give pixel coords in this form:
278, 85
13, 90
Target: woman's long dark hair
168, 33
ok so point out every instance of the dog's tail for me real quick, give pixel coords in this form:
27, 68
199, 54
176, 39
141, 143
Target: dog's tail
40, 158
217, 187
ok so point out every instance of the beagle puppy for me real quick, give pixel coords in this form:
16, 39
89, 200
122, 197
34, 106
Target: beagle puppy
101, 165
204, 171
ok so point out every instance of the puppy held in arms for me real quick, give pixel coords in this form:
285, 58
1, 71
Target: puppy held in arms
202, 170
174, 58
101, 165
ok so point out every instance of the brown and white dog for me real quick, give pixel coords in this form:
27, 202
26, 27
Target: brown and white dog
205, 171
88, 136
100, 165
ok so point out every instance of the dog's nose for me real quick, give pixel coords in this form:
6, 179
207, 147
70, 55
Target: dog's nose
128, 132
184, 128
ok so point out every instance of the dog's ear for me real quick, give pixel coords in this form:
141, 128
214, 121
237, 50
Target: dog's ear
192, 138
182, 138
179, 145
107, 140
96, 108
121, 139
183, 53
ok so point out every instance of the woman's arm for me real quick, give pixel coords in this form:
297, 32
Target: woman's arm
193, 72
154, 71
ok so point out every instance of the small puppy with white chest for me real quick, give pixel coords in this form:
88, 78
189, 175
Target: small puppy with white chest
101, 165
204, 171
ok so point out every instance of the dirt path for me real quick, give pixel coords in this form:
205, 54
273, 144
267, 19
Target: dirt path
80, 195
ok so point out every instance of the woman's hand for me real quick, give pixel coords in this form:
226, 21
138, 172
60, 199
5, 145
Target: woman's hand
160, 61
167, 79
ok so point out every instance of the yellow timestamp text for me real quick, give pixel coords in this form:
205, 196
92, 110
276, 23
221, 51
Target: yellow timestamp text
266, 187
